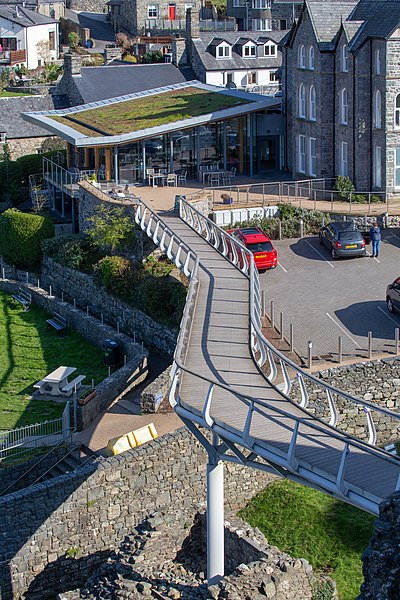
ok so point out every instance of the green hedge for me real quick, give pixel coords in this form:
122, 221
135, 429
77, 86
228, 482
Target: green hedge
21, 237
71, 250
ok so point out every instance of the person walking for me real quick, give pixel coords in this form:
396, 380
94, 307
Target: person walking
375, 234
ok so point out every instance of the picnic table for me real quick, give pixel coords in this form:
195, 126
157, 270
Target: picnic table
56, 380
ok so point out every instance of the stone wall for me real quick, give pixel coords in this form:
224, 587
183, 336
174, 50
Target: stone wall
97, 6
376, 382
93, 508
23, 146
154, 397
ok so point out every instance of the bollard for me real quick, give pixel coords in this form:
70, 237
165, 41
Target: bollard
4, 273
369, 344
50, 292
125, 360
291, 338
27, 277
301, 223
102, 318
117, 327
74, 304
397, 340
310, 354
262, 303
279, 229
38, 283
87, 311
340, 350
281, 325
109, 372
272, 314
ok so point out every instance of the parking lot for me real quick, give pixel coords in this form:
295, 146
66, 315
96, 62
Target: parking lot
325, 298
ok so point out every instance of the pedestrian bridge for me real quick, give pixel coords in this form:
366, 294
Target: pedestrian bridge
228, 379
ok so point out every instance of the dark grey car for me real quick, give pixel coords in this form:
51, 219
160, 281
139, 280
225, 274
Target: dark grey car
393, 296
342, 239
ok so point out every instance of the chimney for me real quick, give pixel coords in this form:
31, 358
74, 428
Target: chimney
179, 54
192, 24
72, 64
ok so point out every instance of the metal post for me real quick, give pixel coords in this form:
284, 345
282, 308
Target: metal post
75, 409
369, 344
109, 372
142, 349
281, 325
134, 337
102, 319
74, 304
87, 311
397, 340
291, 338
125, 360
27, 277
92, 384
263, 303
117, 327
272, 314
62, 296
50, 292
38, 283
280, 229
4, 273
301, 227
310, 354
340, 350
215, 519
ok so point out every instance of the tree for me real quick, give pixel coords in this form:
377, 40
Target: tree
43, 50
123, 42
73, 40
110, 228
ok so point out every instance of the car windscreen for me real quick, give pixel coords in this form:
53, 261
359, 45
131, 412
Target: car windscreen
260, 247
347, 236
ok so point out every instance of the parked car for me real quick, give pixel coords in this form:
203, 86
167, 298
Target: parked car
342, 239
265, 255
393, 296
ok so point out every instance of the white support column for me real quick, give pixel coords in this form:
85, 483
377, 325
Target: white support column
215, 521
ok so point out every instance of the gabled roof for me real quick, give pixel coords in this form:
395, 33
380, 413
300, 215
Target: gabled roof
23, 16
244, 40
326, 17
11, 121
381, 18
351, 28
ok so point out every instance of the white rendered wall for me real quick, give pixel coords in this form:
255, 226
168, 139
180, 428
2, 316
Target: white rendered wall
239, 77
37, 34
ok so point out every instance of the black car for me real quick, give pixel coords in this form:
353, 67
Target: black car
342, 239
393, 296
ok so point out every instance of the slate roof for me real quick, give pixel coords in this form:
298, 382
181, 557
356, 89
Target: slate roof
381, 18
25, 17
11, 120
326, 17
204, 44
100, 83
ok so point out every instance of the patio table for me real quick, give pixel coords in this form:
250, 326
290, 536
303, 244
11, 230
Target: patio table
156, 176
57, 379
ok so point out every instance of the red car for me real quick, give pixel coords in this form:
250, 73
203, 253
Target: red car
265, 255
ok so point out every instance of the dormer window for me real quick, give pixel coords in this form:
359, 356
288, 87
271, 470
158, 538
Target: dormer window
270, 49
249, 50
223, 51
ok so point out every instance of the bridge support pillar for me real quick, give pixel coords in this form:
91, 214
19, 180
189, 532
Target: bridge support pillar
215, 519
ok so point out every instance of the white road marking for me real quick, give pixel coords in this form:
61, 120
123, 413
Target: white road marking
283, 268
391, 235
319, 254
342, 329
388, 316
369, 256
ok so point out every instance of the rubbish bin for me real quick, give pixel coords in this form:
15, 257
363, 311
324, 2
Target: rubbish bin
112, 353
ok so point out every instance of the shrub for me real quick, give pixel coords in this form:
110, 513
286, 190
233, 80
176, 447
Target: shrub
21, 236
110, 229
129, 58
158, 267
344, 186
73, 39
161, 297
358, 198
375, 199
68, 250
152, 57
116, 275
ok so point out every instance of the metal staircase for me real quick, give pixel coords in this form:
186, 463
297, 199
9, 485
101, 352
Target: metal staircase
225, 380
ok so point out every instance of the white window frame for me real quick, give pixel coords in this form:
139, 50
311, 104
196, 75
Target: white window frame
226, 51
312, 157
261, 4
270, 49
152, 8
377, 176
274, 77
378, 109
250, 77
378, 62
302, 102
311, 58
239, 3
397, 112
344, 107
3, 137
344, 59
261, 25
301, 154
247, 47
301, 59
312, 104
344, 159
397, 168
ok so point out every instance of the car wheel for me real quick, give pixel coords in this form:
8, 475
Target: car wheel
333, 254
389, 304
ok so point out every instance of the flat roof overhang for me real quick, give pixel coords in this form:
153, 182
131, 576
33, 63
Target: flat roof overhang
43, 118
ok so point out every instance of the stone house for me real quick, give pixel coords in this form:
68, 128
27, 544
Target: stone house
49, 8
341, 93
264, 15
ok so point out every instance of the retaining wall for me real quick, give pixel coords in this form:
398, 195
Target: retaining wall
93, 508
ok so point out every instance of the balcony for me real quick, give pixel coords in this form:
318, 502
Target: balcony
12, 57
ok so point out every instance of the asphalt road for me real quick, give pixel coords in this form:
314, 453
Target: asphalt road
325, 298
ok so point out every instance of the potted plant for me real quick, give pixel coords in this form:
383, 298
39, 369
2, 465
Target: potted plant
226, 198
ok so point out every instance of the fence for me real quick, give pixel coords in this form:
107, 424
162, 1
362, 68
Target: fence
23, 439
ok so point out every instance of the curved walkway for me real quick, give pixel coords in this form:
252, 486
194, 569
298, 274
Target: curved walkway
218, 384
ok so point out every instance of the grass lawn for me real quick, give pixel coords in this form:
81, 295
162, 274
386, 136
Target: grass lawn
5, 94
29, 350
151, 111
305, 523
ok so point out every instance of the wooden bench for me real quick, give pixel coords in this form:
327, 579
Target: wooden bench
24, 298
69, 388
58, 322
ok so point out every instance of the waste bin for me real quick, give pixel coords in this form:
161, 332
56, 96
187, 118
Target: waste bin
112, 353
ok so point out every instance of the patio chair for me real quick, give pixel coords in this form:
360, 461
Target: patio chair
213, 179
149, 174
171, 179
231, 175
182, 177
